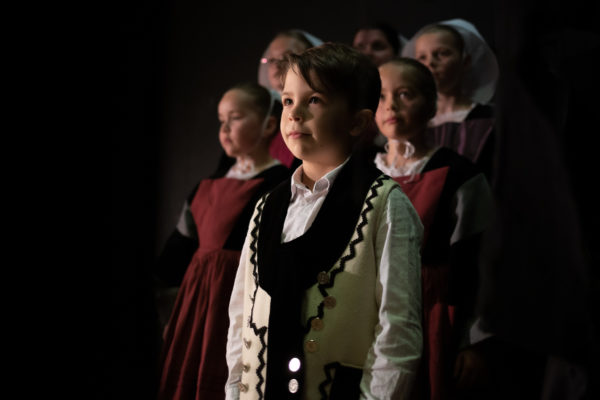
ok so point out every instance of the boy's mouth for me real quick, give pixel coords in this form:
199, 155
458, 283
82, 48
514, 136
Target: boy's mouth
296, 134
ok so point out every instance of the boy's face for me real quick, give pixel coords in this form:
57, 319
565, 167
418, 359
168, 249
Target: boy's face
315, 125
402, 110
439, 52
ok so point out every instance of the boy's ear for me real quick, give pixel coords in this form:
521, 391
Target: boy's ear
361, 120
271, 127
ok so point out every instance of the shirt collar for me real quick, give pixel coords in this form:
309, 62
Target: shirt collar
321, 185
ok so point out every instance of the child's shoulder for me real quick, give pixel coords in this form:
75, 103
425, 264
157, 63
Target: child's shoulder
446, 157
389, 191
277, 173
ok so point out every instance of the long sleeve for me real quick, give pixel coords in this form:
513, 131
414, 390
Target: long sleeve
472, 206
234, 334
393, 360
178, 250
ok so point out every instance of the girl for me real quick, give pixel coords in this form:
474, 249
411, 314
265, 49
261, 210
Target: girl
284, 42
465, 72
206, 246
452, 198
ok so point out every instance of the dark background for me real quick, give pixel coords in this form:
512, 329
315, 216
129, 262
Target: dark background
172, 60
210, 47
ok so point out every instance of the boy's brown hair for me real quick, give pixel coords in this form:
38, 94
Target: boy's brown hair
341, 70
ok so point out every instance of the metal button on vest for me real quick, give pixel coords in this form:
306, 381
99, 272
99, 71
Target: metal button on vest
293, 386
294, 364
312, 346
329, 302
323, 278
247, 343
317, 324
245, 367
243, 387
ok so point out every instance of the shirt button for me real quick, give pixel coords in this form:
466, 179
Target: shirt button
293, 386
312, 346
317, 324
243, 387
323, 278
329, 302
247, 343
245, 367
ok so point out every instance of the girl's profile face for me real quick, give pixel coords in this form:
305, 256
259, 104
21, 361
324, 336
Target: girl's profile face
278, 48
439, 52
374, 44
402, 110
241, 125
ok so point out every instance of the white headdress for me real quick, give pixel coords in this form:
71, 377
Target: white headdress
479, 81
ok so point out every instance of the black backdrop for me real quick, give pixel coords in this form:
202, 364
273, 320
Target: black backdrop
173, 60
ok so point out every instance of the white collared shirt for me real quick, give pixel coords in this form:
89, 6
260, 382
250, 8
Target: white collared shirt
391, 366
305, 203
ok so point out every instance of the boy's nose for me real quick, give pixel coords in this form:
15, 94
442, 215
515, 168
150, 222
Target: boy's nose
295, 114
392, 104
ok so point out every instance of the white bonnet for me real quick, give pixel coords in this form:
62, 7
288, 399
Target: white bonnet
479, 82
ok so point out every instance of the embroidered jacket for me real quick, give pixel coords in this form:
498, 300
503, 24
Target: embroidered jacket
312, 306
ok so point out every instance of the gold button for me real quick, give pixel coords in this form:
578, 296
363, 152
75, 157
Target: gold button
245, 367
243, 387
329, 302
317, 324
312, 346
323, 278
247, 343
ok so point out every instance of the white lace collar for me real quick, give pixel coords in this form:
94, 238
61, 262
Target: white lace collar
247, 170
412, 168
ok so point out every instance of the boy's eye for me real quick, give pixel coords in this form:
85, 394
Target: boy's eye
314, 100
287, 102
381, 97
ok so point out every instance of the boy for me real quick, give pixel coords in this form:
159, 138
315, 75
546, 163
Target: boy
327, 298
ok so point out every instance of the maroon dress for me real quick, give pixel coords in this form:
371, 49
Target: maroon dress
448, 270
194, 364
279, 151
472, 138
424, 191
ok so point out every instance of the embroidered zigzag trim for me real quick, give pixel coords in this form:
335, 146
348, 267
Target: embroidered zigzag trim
322, 386
260, 332
352, 247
